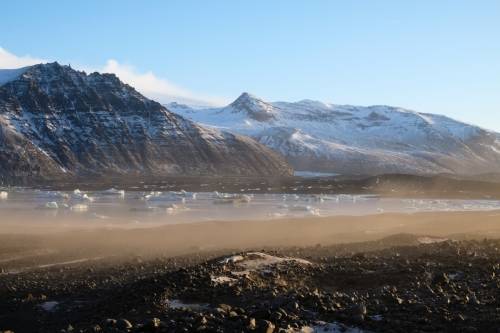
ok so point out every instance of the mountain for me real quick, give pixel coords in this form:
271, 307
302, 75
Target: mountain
316, 136
57, 123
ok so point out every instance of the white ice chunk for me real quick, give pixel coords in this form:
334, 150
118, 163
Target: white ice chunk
113, 191
50, 205
79, 208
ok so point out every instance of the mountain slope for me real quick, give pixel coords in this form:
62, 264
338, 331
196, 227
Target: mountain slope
316, 136
57, 122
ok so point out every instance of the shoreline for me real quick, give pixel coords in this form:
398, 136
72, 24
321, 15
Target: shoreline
390, 185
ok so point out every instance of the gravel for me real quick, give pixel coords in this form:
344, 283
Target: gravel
450, 286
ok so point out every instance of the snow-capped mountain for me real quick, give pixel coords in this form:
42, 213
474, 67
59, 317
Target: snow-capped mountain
316, 136
58, 122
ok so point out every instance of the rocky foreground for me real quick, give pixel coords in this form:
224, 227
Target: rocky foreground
382, 286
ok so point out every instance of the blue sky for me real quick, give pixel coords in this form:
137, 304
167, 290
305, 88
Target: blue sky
427, 55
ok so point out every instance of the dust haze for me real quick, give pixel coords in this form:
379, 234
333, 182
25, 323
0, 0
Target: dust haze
69, 243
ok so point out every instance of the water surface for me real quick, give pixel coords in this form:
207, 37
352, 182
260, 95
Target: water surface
142, 208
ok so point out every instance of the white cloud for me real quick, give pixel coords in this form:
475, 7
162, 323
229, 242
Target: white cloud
158, 88
147, 83
11, 61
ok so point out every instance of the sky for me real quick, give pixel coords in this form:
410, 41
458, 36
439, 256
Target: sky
427, 55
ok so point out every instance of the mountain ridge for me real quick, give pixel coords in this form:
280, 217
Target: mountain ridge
56, 122
317, 136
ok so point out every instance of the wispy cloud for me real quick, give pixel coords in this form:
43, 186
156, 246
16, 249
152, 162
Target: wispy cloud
158, 88
10, 61
147, 83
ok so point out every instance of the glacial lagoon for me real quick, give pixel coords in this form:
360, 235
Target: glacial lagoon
143, 208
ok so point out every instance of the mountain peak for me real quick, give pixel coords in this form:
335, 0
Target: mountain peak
350, 139
56, 79
60, 123
50, 66
247, 96
253, 107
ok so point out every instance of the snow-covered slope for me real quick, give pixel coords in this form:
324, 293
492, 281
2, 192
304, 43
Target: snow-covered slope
347, 139
56, 122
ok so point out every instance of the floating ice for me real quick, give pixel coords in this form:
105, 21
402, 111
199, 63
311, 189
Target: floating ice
144, 209
299, 208
49, 205
276, 215
210, 206
173, 209
150, 195
184, 194
243, 198
113, 191
223, 199
53, 195
79, 208
314, 212
308, 209
318, 198
77, 195
169, 196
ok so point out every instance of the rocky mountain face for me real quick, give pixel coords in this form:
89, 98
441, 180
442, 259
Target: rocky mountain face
347, 139
56, 122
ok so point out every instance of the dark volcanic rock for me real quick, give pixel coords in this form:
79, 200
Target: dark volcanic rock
386, 290
56, 122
